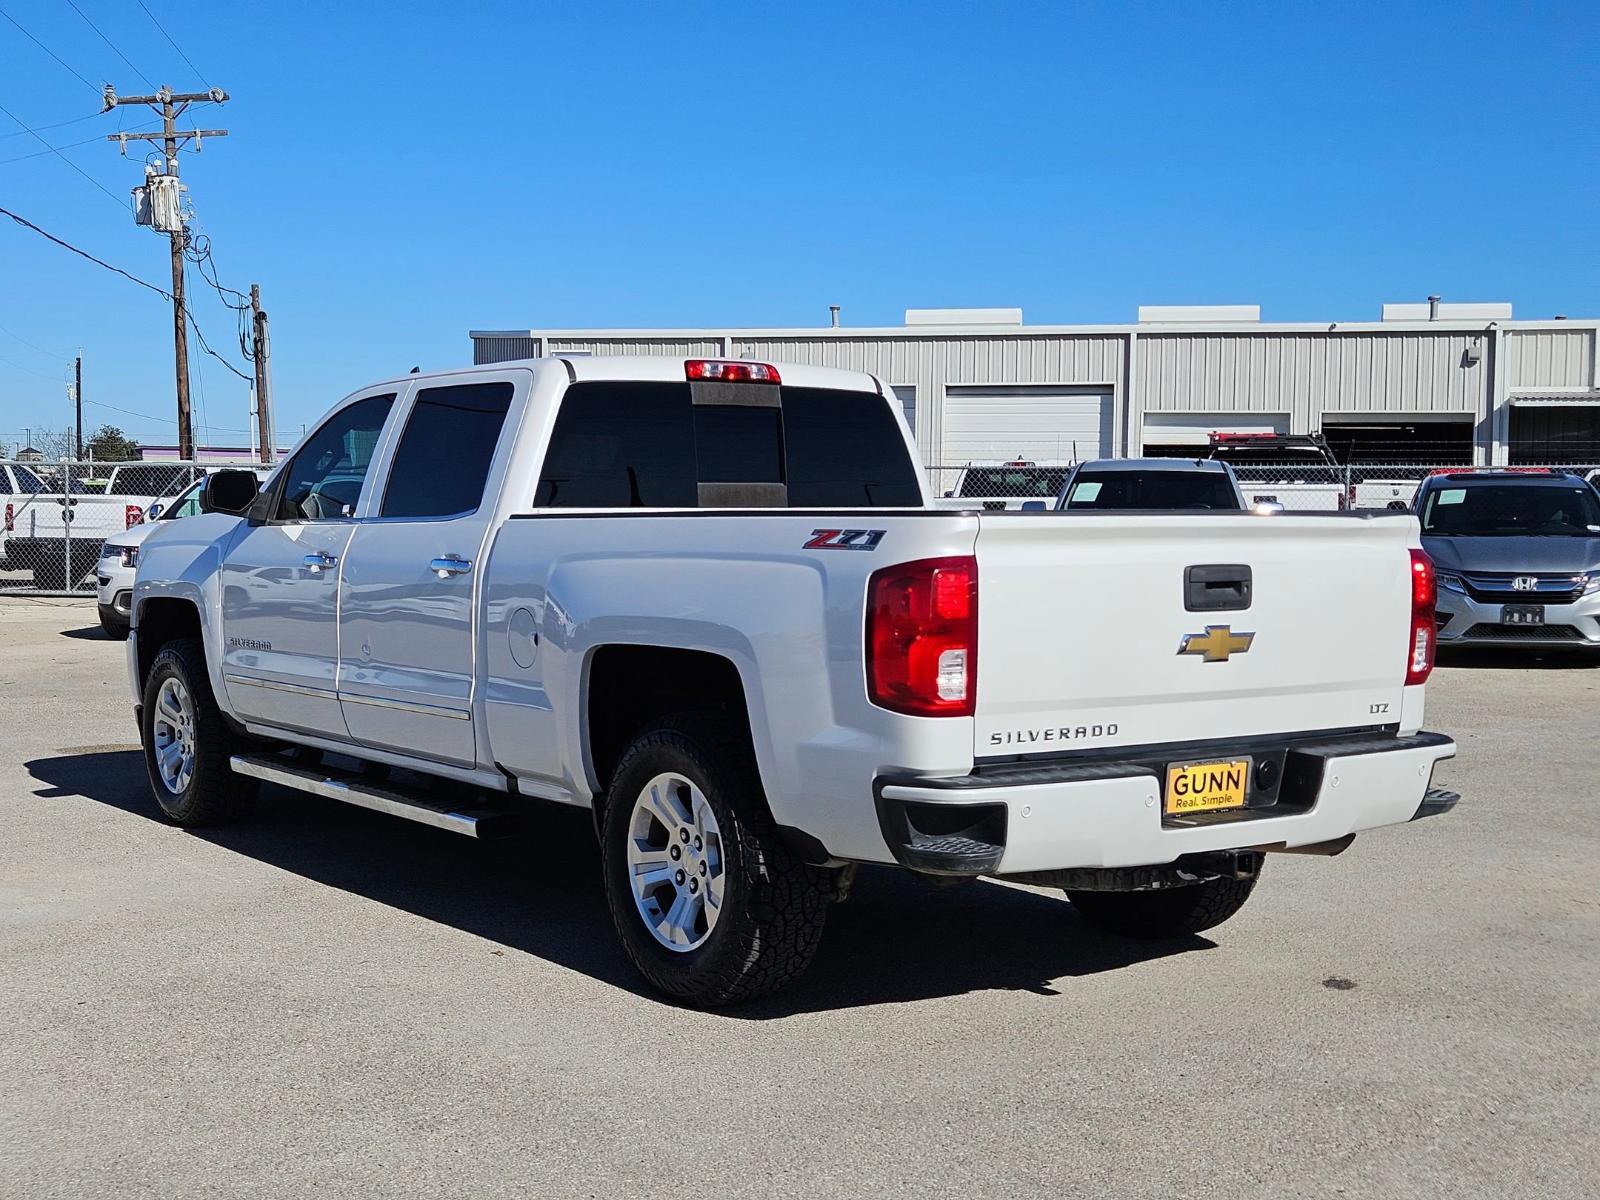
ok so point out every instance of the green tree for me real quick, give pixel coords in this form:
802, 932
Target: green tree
110, 444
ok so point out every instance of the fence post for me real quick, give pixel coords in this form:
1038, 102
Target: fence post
66, 522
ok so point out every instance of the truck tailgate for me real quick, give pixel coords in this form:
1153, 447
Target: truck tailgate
1085, 623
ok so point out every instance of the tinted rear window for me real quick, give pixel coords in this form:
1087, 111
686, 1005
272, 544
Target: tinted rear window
1031, 483
646, 445
1109, 490
845, 450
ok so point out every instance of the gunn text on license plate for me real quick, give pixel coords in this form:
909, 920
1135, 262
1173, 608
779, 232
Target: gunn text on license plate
1206, 786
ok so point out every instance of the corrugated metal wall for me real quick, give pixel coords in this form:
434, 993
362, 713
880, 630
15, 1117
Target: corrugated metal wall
932, 362
1306, 375
1550, 358
1302, 372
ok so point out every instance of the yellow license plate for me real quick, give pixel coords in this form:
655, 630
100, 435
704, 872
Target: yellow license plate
1207, 786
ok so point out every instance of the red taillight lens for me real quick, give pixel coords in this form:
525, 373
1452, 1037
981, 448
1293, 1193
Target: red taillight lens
11, 518
922, 637
132, 514
1420, 645
724, 371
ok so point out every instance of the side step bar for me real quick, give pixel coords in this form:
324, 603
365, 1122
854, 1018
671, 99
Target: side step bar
350, 787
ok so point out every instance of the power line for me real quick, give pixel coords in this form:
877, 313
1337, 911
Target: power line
55, 125
117, 200
55, 149
110, 43
31, 345
100, 262
175, 45
29, 370
48, 51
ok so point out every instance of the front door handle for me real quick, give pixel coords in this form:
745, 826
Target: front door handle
320, 561
450, 565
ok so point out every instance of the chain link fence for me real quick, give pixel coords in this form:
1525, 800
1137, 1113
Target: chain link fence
1297, 486
58, 516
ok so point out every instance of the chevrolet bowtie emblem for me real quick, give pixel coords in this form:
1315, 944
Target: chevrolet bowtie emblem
1216, 643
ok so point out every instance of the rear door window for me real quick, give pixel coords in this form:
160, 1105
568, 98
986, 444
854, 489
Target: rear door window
442, 463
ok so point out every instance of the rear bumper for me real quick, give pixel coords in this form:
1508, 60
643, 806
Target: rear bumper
1050, 817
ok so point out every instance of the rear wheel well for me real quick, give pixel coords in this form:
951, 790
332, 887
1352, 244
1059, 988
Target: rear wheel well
160, 621
633, 686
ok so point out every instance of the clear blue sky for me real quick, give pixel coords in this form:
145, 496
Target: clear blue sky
400, 173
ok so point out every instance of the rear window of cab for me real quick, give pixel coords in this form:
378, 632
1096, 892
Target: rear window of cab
650, 445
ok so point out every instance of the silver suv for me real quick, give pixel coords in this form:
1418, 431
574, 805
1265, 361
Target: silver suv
1517, 556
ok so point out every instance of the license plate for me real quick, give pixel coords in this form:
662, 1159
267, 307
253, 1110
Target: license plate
1522, 614
1207, 786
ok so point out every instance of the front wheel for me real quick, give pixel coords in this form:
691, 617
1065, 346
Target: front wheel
1165, 913
187, 744
710, 905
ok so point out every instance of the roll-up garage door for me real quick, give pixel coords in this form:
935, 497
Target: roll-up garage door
1036, 423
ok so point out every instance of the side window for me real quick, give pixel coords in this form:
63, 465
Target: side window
28, 483
621, 445
323, 481
442, 462
844, 450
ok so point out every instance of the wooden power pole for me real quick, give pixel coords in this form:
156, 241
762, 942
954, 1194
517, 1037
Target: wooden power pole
261, 349
171, 106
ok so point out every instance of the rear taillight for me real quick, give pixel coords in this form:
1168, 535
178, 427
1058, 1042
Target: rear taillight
726, 371
11, 518
1424, 631
922, 637
132, 514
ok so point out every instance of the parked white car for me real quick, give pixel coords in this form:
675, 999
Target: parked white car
994, 486
58, 533
18, 485
711, 602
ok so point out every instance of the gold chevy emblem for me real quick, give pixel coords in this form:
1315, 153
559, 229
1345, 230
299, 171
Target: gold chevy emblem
1216, 643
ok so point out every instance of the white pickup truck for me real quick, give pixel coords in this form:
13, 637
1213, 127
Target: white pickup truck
59, 533
712, 602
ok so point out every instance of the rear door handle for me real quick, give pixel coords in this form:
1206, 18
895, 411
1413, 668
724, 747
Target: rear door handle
320, 561
450, 565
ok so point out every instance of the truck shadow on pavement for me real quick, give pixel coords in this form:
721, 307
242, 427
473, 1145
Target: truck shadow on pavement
1511, 658
897, 939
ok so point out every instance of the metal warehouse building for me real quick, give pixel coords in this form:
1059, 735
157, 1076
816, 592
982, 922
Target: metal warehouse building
1435, 383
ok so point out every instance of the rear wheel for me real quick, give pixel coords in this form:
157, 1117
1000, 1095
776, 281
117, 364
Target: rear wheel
187, 744
1167, 912
710, 905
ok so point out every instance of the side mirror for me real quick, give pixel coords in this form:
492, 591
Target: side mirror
1033, 506
1266, 508
228, 492
153, 513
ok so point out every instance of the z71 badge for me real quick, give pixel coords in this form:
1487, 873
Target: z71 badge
845, 539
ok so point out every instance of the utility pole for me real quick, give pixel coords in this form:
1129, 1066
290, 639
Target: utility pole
168, 218
260, 352
77, 399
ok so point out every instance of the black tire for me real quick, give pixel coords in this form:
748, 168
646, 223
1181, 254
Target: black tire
1167, 913
213, 794
773, 904
115, 627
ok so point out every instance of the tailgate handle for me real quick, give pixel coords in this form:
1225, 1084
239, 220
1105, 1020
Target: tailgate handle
1216, 587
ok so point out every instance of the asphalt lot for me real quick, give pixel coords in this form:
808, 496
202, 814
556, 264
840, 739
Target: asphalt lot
329, 1001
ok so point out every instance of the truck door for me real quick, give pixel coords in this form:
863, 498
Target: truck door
408, 609
280, 579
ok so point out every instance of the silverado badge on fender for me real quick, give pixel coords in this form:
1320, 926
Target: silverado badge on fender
1216, 643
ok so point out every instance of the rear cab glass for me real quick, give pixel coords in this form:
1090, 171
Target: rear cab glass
1103, 491
661, 445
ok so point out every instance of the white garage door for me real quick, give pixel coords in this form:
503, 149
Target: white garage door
1038, 423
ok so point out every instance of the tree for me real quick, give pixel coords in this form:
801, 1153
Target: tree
110, 444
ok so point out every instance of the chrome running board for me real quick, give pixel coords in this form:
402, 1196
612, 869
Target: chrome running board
351, 787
